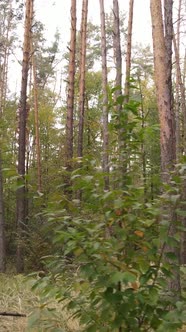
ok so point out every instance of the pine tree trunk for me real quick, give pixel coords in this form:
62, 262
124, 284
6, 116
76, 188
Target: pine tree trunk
71, 80
117, 49
21, 191
82, 76
129, 47
105, 97
36, 117
118, 92
162, 46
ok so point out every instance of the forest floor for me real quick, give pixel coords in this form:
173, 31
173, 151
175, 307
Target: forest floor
16, 297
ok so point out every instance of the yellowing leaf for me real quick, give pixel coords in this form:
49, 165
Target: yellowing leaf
139, 233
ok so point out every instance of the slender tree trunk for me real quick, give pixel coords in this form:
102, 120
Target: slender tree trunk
180, 88
162, 46
5, 31
117, 48
82, 76
129, 47
118, 92
176, 42
71, 80
105, 96
143, 152
36, 117
2, 223
20, 202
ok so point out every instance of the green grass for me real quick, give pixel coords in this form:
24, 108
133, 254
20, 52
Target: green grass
16, 296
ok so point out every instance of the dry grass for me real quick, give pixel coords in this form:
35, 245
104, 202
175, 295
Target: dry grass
16, 296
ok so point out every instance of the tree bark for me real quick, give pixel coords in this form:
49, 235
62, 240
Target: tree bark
71, 80
163, 70
82, 76
21, 191
117, 48
129, 47
105, 97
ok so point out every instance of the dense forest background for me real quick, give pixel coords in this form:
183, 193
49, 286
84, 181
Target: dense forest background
92, 163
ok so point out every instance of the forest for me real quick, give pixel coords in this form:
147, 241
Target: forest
93, 170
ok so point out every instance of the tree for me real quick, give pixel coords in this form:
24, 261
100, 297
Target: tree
162, 67
2, 223
117, 48
7, 16
105, 96
180, 101
23, 112
71, 81
37, 135
82, 76
129, 46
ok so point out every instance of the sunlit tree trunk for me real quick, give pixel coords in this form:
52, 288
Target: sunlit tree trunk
71, 80
162, 46
82, 76
21, 197
105, 96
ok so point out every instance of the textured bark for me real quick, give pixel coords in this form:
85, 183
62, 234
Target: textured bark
20, 199
105, 96
117, 48
118, 92
162, 46
129, 47
71, 79
82, 76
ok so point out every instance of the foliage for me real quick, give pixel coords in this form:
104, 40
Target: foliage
109, 268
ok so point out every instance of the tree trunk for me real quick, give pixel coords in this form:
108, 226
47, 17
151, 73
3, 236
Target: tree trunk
162, 46
105, 97
2, 223
118, 92
36, 117
71, 80
117, 49
82, 76
129, 47
20, 195
180, 88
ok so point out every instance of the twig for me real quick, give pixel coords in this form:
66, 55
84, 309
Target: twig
13, 314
